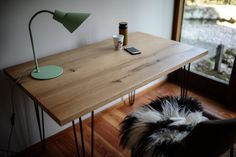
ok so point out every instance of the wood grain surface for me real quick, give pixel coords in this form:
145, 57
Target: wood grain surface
97, 74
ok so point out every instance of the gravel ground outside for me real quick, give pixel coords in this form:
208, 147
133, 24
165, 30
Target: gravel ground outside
208, 34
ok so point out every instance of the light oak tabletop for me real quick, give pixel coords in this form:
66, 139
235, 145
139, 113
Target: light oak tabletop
96, 74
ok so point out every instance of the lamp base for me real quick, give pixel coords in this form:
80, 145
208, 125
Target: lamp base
47, 72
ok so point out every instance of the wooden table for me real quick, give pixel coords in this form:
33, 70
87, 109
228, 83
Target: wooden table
96, 74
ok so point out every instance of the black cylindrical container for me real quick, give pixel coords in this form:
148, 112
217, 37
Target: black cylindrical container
123, 29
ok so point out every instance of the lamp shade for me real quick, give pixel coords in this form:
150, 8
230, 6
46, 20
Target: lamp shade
70, 20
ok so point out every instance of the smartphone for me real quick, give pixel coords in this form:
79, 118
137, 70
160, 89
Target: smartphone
132, 50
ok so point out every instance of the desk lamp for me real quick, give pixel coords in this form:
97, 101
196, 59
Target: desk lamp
71, 21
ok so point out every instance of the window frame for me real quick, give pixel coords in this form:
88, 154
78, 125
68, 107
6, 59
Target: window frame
225, 93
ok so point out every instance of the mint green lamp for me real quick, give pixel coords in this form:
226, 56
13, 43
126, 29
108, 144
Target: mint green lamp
71, 21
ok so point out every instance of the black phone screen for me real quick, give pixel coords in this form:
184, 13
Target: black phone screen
133, 50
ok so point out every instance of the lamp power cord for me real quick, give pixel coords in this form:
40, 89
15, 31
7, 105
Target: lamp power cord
12, 119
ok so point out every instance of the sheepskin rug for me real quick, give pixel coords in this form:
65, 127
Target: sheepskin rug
153, 128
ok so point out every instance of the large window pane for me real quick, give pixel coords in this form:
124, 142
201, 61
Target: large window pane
211, 24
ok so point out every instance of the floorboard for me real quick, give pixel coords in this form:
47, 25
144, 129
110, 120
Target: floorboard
107, 127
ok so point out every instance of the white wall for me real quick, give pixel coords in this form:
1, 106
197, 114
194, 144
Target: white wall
152, 16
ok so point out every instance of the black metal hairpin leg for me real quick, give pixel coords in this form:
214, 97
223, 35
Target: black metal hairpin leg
232, 151
76, 140
41, 129
131, 98
92, 134
184, 81
42, 116
82, 136
187, 79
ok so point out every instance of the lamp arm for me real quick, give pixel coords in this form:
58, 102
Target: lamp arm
31, 37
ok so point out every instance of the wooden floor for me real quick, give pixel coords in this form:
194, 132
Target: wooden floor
107, 127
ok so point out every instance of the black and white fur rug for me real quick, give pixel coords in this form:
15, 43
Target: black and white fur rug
152, 129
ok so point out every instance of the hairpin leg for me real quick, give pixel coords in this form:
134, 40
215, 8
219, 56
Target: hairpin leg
82, 136
92, 133
75, 136
184, 81
42, 135
187, 79
131, 98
